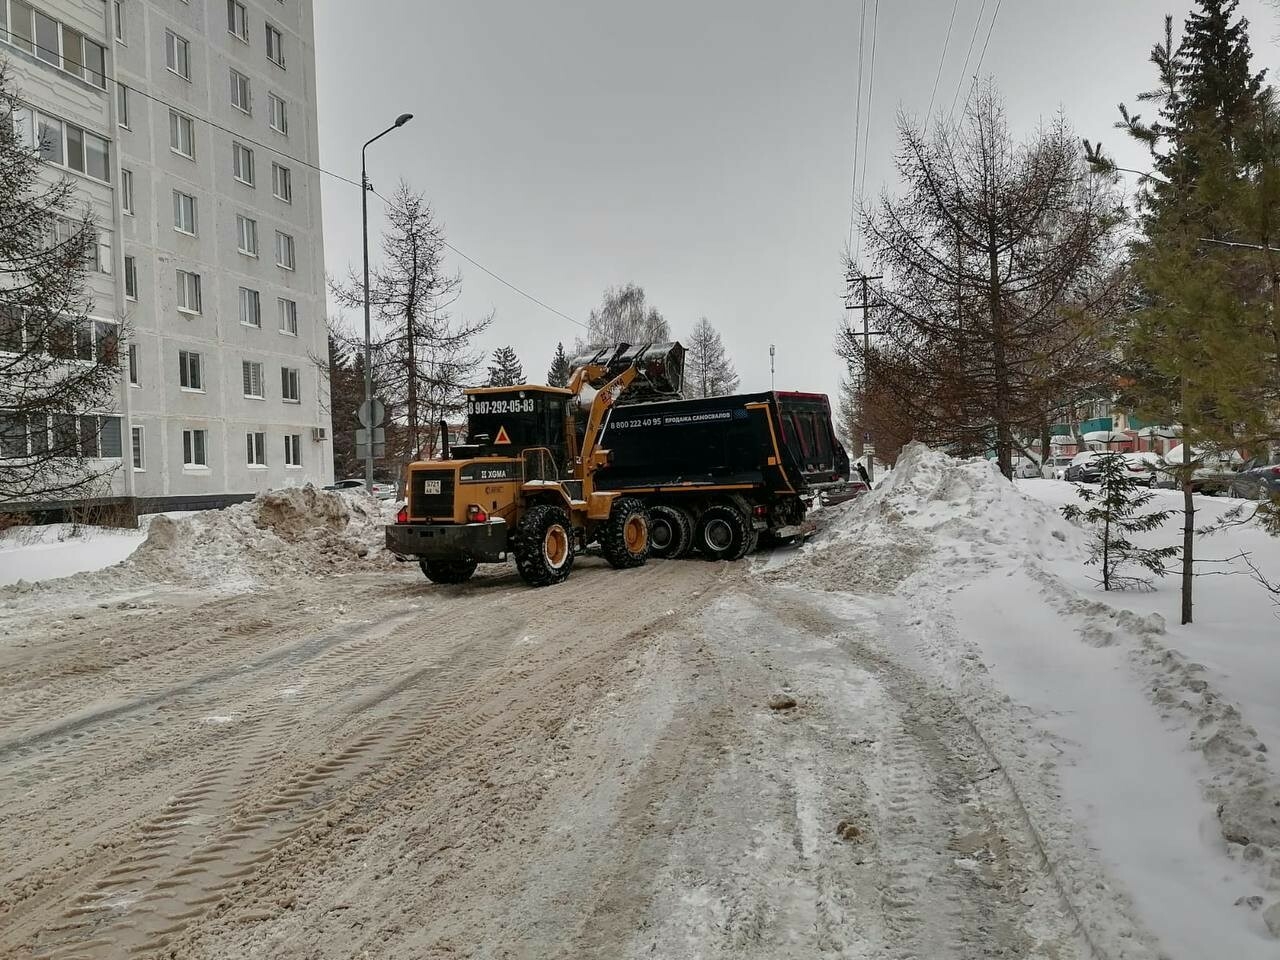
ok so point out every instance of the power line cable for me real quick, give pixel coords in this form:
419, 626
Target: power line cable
313, 166
977, 72
977, 25
857, 128
500, 279
942, 59
871, 92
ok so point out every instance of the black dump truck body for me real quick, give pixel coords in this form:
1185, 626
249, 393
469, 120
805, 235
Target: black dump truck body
766, 443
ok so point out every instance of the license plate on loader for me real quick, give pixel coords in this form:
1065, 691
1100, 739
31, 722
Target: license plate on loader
430, 486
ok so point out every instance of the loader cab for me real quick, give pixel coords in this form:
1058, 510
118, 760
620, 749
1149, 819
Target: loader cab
506, 421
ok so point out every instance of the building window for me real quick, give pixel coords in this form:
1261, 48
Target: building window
247, 231
63, 144
289, 390
257, 449
277, 115
240, 91
275, 46
194, 443
130, 277
103, 261
118, 11
284, 251
188, 291
189, 371
135, 442
288, 312
126, 191
11, 336
134, 375
282, 183
237, 20
54, 42
177, 54
293, 449
250, 308
251, 371
242, 163
184, 212
122, 105
182, 135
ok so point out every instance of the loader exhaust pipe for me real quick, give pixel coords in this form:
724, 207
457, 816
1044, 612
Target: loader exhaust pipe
444, 440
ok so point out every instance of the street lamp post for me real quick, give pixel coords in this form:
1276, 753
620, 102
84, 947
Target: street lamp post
368, 348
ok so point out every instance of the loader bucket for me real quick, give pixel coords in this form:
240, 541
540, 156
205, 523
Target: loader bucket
660, 367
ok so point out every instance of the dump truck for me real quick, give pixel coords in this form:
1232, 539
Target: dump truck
615, 460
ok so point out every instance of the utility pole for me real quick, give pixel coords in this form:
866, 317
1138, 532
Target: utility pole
852, 281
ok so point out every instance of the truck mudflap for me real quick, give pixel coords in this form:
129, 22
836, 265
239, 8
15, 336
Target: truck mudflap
485, 542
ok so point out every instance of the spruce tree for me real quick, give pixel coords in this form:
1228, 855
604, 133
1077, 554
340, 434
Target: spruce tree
506, 369
558, 375
1113, 513
708, 371
1192, 350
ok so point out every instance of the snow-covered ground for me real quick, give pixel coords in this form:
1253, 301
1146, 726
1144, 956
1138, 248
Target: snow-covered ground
61, 549
1136, 743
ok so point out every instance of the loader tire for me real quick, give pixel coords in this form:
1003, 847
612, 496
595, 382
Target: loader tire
724, 533
543, 545
670, 532
458, 570
624, 538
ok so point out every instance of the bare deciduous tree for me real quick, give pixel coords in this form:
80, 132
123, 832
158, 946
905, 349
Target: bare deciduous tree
1003, 279
623, 317
422, 357
59, 370
708, 371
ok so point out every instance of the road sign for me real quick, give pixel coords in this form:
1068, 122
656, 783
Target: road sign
371, 413
362, 451
379, 435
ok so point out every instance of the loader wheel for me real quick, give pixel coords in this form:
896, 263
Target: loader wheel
457, 570
670, 532
543, 545
624, 537
724, 533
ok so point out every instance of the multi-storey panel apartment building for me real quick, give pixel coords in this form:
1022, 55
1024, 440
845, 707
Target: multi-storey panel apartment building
190, 128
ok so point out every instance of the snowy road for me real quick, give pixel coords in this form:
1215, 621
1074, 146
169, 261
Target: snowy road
371, 766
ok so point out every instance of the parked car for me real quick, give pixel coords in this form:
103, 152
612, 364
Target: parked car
1055, 467
1026, 468
1257, 479
383, 491
1143, 466
1212, 470
1083, 467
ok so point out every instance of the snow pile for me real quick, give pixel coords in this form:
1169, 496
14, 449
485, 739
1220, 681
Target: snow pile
300, 531
278, 534
1151, 730
931, 508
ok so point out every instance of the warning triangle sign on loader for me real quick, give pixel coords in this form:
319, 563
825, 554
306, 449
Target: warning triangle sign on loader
502, 437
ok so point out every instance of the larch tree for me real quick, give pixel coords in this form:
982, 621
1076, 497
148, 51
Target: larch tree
1002, 281
506, 369
1199, 346
59, 370
561, 368
708, 371
422, 357
623, 317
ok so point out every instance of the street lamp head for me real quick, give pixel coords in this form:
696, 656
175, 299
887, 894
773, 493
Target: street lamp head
403, 119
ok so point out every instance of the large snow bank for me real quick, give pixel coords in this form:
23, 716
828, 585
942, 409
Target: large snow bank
983, 587
279, 534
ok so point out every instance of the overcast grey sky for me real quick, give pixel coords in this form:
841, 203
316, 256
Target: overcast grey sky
703, 150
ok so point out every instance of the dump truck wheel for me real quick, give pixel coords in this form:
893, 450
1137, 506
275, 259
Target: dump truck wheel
448, 571
543, 545
723, 533
625, 538
670, 532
